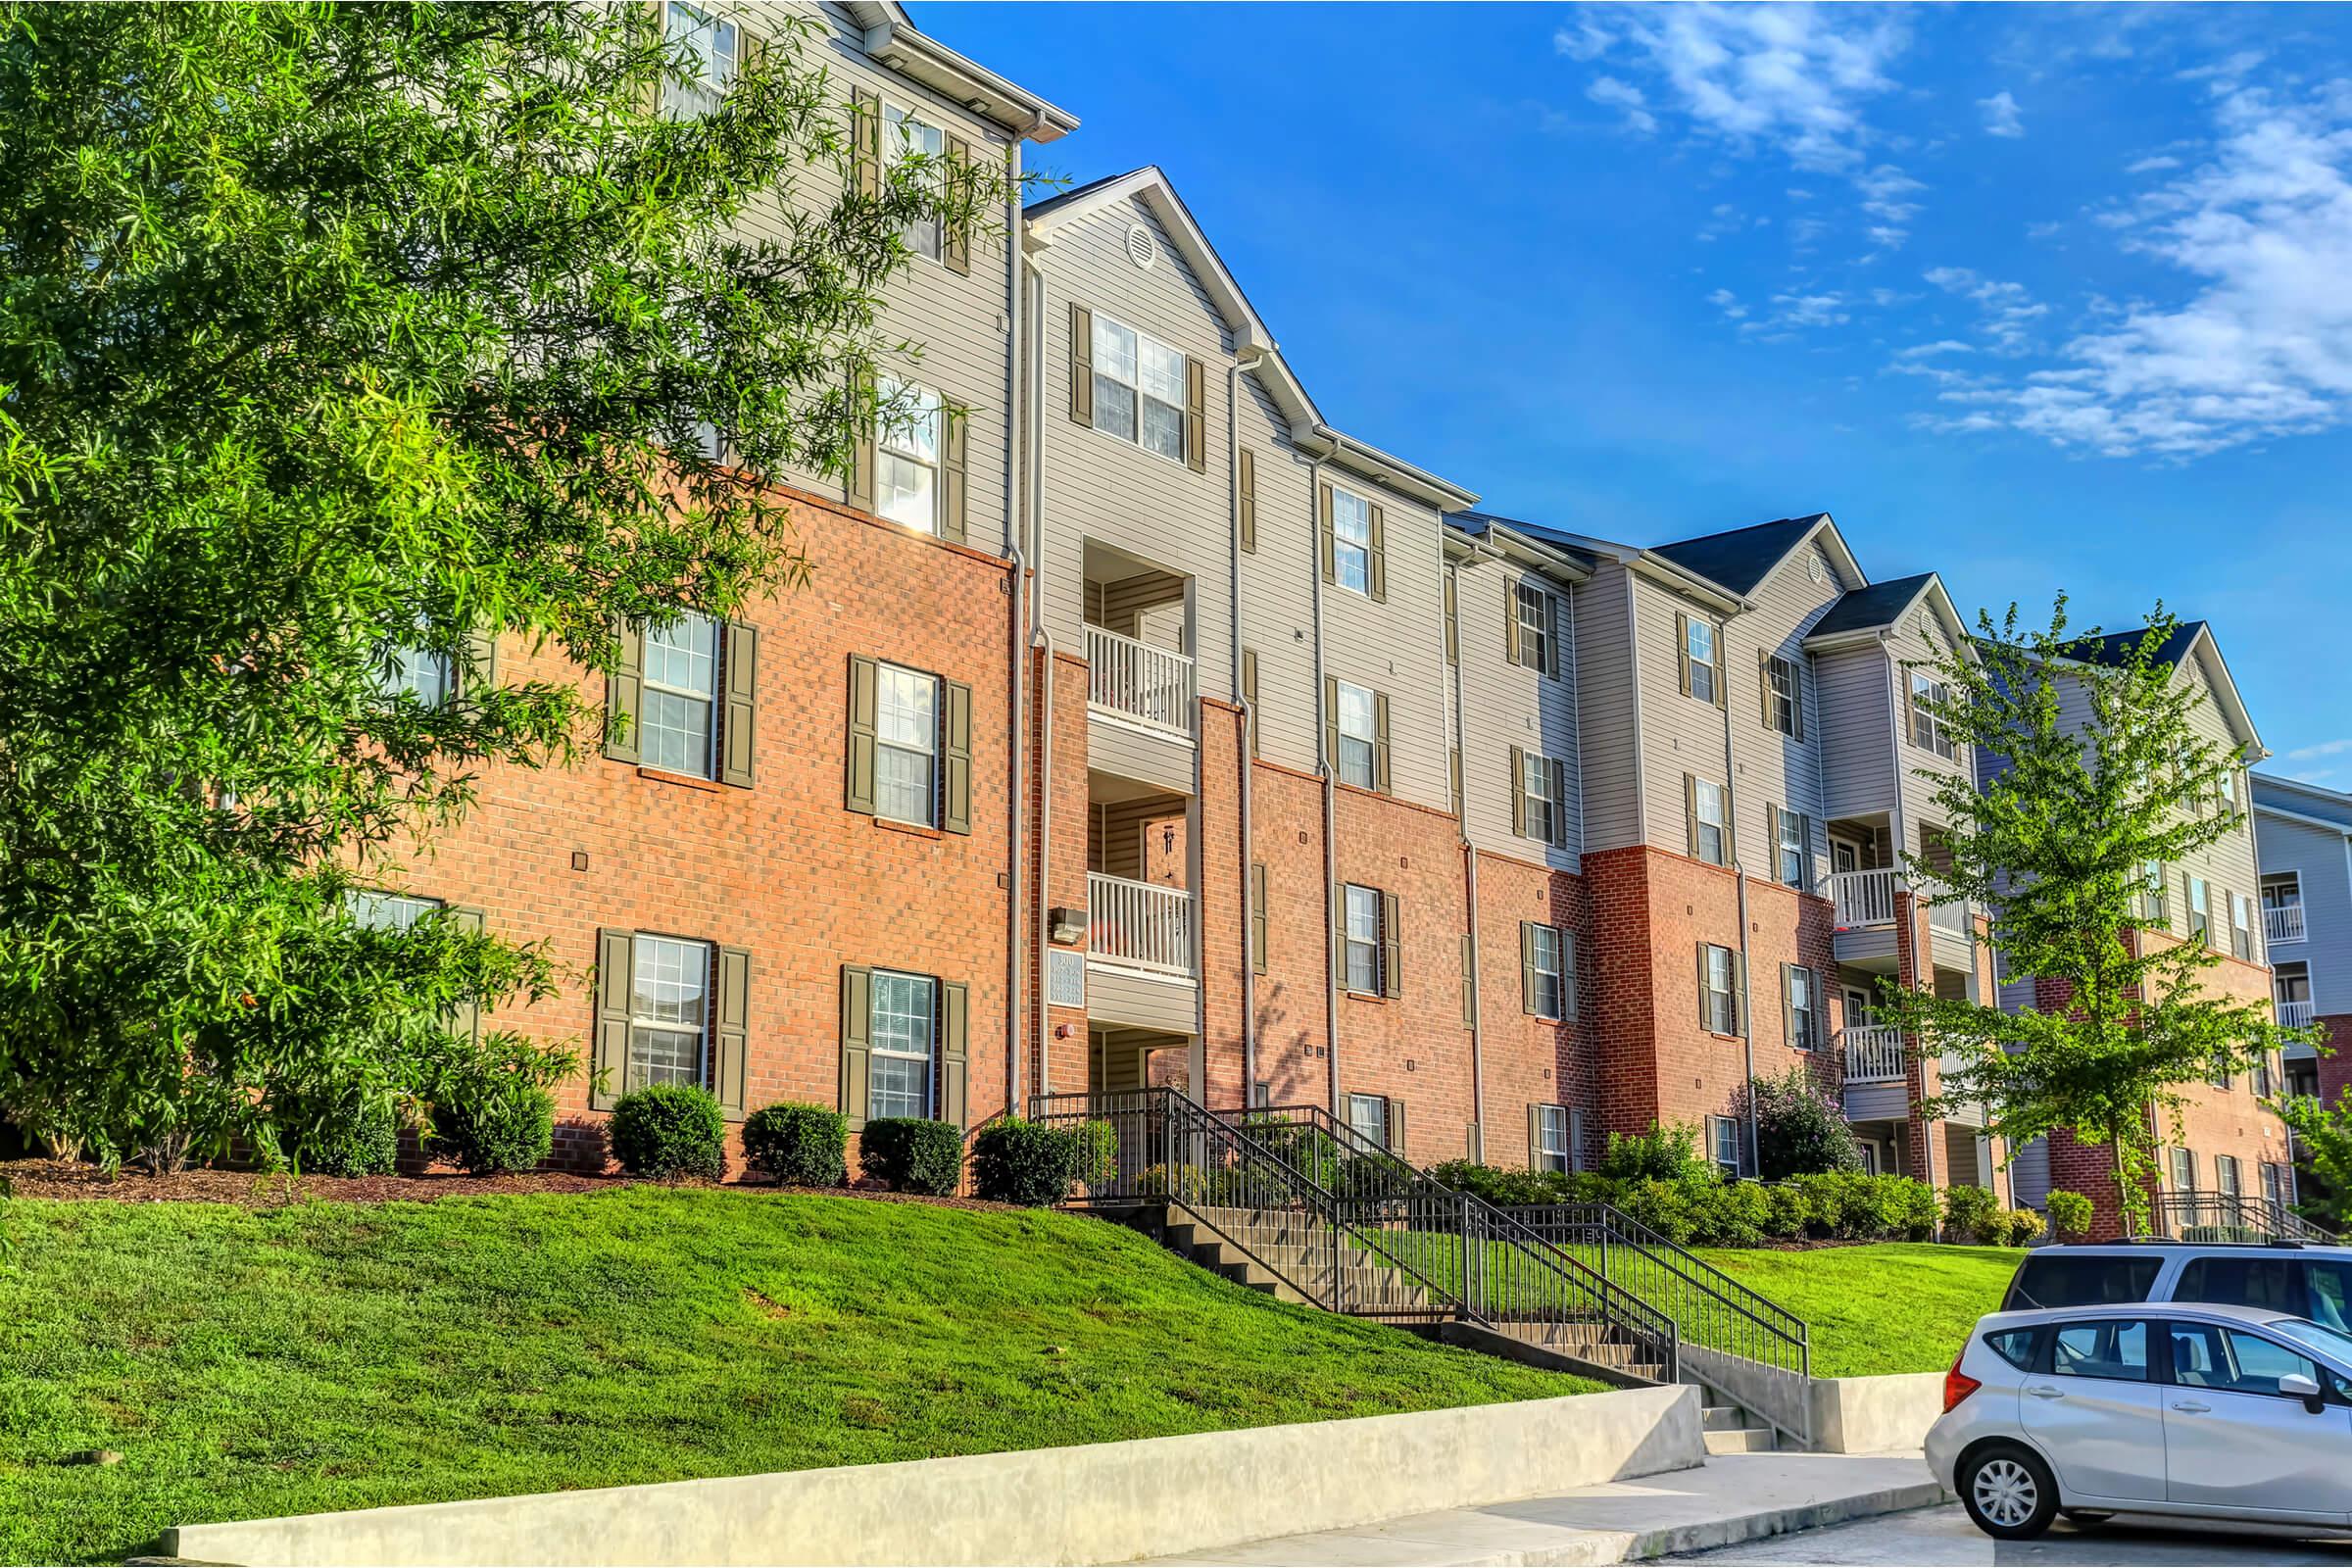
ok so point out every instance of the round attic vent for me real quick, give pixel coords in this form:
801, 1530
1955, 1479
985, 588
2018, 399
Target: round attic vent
1816, 567
1142, 249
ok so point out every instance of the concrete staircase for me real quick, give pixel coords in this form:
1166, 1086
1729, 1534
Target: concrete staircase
1593, 1344
1731, 1427
1287, 1254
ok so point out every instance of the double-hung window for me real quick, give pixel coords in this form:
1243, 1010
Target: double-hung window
1547, 972
1723, 1144
1699, 657
1361, 941
1927, 729
906, 457
1553, 1150
1533, 608
1536, 778
2224, 1175
1718, 989
2153, 892
387, 911
1352, 541
1804, 1006
906, 138
906, 1035
1139, 388
1368, 1118
681, 683
668, 1011
2185, 1170
2200, 911
711, 46
1709, 840
418, 672
1358, 722
1788, 846
906, 744
2242, 925
1787, 693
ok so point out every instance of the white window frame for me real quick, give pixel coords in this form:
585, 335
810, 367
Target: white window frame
927, 987
1790, 830
1534, 784
1354, 896
2200, 911
1535, 634
916, 442
1720, 1128
693, 969
650, 687
924, 237
1720, 1014
428, 677
2155, 894
1807, 1018
1555, 1140
1133, 385
1926, 731
1557, 972
2227, 1166
1704, 668
1720, 822
379, 911
690, 24
1787, 697
2241, 926
885, 673
1350, 541
1370, 740
2181, 1170
1379, 1117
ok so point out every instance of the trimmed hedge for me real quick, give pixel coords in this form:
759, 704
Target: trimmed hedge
668, 1131
909, 1155
1025, 1162
2069, 1216
361, 1139
797, 1145
495, 1134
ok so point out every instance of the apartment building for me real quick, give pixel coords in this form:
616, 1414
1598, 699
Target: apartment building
2303, 833
1142, 726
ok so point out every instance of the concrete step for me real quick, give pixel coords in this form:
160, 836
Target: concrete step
1724, 1418
1746, 1440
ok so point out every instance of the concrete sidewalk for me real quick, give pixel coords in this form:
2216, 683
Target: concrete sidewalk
1730, 1498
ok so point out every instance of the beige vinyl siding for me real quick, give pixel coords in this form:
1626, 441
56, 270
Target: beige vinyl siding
2323, 866
1856, 727
1113, 491
1398, 647
1770, 768
1506, 705
1607, 711
2229, 864
1278, 585
1683, 735
1114, 834
1910, 642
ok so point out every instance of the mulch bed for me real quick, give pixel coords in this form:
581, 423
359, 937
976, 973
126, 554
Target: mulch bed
67, 1179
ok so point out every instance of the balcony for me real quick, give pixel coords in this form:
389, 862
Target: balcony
1864, 906
2295, 1015
1873, 1055
2283, 922
1143, 956
1142, 709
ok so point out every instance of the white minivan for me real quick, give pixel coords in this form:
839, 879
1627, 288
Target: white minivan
2290, 1277
2213, 1413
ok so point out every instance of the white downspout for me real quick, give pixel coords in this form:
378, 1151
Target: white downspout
1241, 700
1016, 424
1042, 640
1324, 765
1731, 820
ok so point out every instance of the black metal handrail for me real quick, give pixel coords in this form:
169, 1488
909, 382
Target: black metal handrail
2234, 1216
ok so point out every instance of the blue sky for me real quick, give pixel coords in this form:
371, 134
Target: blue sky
2039, 298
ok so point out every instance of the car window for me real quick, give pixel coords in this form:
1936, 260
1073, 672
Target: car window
2114, 1350
2321, 1336
2270, 1283
2231, 1361
2015, 1347
2076, 1280
2328, 1291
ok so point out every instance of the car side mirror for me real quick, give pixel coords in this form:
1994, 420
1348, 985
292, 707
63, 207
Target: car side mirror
2295, 1386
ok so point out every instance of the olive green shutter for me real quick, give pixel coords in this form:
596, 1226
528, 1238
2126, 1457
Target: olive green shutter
1195, 415
1380, 555
1510, 624
1552, 635
1705, 1019
1396, 1126
1518, 792
1690, 813
1469, 984
1339, 935
954, 1053
1527, 966
734, 1029
1535, 1134
649, 92
1454, 617
1910, 711
480, 672
860, 767
1249, 693
739, 730
1559, 800
956, 247
1330, 724
1722, 687
1380, 742
1567, 944
856, 1040
1788, 1008
857, 483
1764, 685
1082, 366
1453, 776
954, 489
1323, 528
615, 975
465, 1019
1248, 498
1392, 948
956, 753
624, 693
1682, 646
865, 132
1258, 917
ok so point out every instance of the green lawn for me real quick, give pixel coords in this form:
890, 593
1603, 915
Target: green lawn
332, 1356
1895, 1306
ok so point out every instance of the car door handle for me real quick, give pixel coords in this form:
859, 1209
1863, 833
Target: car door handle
2044, 1391
2191, 1406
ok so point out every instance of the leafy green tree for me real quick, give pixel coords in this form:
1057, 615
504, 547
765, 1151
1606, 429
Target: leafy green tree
2323, 1142
1801, 1128
2103, 781
336, 341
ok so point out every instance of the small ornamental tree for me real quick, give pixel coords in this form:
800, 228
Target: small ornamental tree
1800, 1128
2102, 778
2324, 1139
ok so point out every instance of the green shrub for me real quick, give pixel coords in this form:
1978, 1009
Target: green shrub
1507, 1188
909, 1155
361, 1136
2069, 1216
1973, 1214
1663, 1206
1800, 1128
1790, 1214
1024, 1162
1097, 1156
798, 1145
2024, 1226
1730, 1214
1665, 1154
668, 1131
511, 1128
1912, 1205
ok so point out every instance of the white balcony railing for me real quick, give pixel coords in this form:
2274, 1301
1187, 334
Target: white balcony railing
1951, 915
1864, 897
2284, 922
1872, 1055
1140, 925
1136, 681
2295, 1015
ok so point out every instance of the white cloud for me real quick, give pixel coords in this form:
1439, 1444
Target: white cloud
1611, 93
1724, 300
1919, 351
2005, 310
2001, 114
2306, 754
2152, 166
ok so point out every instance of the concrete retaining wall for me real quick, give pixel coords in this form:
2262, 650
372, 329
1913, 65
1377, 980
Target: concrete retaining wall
1870, 1415
1100, 1503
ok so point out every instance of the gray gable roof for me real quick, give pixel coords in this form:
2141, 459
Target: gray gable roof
1882, 604
1741, 559
2299, 798
1477, 523
2115, 648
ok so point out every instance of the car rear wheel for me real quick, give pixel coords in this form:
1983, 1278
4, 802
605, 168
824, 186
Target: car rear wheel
2008, 1492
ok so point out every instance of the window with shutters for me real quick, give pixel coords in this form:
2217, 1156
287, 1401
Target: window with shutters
907, 487
418, 671
1718, 989
905, 1039
1804, 1006
711, 47
1790, 831
1352, 541
1358, 719
1368, 1118
1925, 729
1708, 838
387, 911
2154, 889
669, 994
2242, 925
1361, 942
906, 744
1539, 779
2224, 1175
2185, 1170
1699, 650
1723, 1144
1547, 959
1553, 1150
906, 139
2200, 911
679, 725
1139, 388
1533, 605
1787, 696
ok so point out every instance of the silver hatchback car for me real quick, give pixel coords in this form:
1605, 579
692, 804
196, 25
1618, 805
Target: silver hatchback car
2216, 1412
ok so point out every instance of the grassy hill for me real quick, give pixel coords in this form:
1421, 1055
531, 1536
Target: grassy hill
1893, 1307
252, 1362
